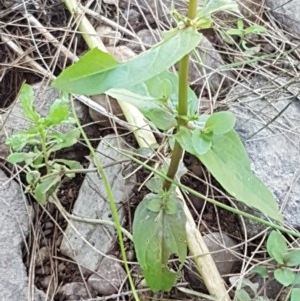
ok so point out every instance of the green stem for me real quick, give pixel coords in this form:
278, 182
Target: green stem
182, 103
44, 147
211, 201
112, 204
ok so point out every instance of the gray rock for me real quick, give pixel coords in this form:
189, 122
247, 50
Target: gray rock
76, 291
273, 148
14, 227
222, 248
13, 119
92, 203
109, 276
287, 13
205, 61
108, 36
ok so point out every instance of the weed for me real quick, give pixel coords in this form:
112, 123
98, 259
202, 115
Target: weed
170, 105
43, 141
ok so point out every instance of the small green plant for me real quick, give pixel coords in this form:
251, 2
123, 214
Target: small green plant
170, 105
286, 272
241, 32
288, 260
43, 173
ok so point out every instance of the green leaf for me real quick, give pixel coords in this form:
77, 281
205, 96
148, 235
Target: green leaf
201, 142
240, 24
59, 112
284, 276
277, 247
18, 140
72, 164
32, 177
156, 237
184, 137
153, 202
228, 162
295, 295
297, 280
93, 63
220, 123
213, 6
21, 157
242, 295
26, 98
149, 106
64, 140
261, 271
46, 186
150, 63
234, 32
255, 29
292, 258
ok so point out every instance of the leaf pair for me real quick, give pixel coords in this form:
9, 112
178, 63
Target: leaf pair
159, 235
197, 140
278, 250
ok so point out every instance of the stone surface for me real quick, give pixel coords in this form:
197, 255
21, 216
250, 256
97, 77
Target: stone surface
222, 248
287, 13
76, 291
14, 227
13, 119
274, 148
109, 276
108, 36
206, 60
92, 203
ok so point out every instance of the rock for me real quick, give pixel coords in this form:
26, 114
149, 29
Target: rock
273, 149
14, 226
122, 53
92, 203
43, 255
147, 38
108, 36
76, 291
205, 62
110, 104
13, 120
109, 276
287, 13
222, 248
130, 18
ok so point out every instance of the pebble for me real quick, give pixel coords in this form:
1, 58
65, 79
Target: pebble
75, 291
42, 256
109, 276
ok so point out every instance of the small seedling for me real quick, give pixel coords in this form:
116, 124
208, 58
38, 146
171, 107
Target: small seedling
288, 260
43, 172
241, 32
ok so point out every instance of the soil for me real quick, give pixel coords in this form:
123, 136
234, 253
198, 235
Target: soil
48, 223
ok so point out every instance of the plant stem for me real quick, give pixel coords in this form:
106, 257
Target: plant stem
182, 103
44, 147
111, 201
